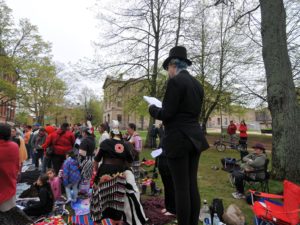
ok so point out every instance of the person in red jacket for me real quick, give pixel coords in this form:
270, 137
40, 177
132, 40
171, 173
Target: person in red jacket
243, 138
231, 130
9, 168
62, 141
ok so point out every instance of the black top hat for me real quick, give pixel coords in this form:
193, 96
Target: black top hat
178, 52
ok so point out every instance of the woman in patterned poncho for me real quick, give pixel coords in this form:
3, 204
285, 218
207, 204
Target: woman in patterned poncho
115, 193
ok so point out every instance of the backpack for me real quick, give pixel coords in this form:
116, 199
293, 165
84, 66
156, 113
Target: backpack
228, 163
217, 207
138, 145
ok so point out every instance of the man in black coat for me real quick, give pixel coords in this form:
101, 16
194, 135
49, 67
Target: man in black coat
184, 140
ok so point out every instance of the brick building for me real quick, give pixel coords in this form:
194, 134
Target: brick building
117, 92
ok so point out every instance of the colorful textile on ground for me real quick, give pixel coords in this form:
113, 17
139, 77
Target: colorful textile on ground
110, 222
54, 220
153, 207
81, 207
108, 193
14, 216
81, 220
149, 162
21, 187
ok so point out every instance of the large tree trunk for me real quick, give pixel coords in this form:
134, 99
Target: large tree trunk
281, 92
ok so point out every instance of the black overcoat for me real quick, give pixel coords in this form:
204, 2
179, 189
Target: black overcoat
180, 113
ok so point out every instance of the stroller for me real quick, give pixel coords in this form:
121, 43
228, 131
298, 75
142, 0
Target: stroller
270, 212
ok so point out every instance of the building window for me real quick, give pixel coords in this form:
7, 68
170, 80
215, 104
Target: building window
219, 121
226, 121
119, 102
119, 118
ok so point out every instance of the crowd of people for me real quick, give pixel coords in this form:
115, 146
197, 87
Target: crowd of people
67, 157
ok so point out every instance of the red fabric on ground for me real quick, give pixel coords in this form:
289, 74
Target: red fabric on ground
152, 207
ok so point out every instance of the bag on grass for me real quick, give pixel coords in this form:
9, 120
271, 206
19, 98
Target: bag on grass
233, 215
217, 207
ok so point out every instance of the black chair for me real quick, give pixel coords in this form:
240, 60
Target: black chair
264, 183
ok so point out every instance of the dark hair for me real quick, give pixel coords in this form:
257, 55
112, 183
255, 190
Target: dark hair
5, 131
103, 125
112, 134
243, 121
64, 126
42, 129
29, 126
71, 153
132, 126
51, 170
44, 179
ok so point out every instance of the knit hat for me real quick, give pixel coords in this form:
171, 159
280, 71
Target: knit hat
115, 127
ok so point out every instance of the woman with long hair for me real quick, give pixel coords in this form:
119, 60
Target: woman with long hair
115, 193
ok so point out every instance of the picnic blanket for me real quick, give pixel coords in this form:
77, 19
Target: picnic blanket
53, 220
153, 207
81, 207
81, 220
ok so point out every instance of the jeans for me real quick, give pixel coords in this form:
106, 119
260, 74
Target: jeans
39, 154
74, 187
47, 163
29, 152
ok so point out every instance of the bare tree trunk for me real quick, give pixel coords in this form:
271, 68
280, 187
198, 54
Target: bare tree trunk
178, 23
156, 17
281, 92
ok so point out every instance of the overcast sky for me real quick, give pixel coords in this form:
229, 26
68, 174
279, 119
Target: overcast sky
68, 24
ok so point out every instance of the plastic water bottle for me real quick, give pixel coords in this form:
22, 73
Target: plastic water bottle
216, 219
205, 214
203, 209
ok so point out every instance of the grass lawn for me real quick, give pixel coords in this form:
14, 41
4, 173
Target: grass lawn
215, 183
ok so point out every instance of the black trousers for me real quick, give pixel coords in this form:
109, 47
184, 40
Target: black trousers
239, 178
57, 162
184, 174
166, 178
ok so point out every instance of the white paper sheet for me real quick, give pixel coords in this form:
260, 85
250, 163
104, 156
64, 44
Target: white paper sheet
156, 153
153, 101
78, 141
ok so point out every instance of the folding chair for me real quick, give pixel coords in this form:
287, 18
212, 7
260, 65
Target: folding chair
264, 183
274, 212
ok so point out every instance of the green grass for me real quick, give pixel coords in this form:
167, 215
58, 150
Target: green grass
215, 183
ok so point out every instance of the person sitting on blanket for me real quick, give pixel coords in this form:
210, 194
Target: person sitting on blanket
253, 162
55, 183
115, 194
46, 202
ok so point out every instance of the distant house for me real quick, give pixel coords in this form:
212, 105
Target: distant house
117, 93
255, 119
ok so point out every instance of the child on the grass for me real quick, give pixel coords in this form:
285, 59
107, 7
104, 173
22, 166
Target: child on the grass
45, 204
55, 183
71, 176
